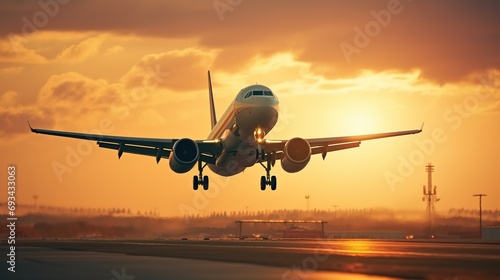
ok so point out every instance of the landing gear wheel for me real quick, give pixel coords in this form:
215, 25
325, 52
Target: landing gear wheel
263, 183
195, 182
273, 183
268, 180
200, 180
205, 182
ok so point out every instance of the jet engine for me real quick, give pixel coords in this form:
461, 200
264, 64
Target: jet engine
296, 155
184, 155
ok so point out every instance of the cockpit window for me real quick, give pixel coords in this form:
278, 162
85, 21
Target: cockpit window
258, 93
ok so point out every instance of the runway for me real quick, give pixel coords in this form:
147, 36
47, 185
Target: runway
255, 259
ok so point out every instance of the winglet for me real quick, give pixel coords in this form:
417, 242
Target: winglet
31, 128
422, 127
213, 119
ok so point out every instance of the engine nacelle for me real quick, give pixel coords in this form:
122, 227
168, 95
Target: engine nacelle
184, 155
296, 155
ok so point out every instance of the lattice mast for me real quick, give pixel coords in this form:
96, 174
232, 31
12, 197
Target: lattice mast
430, 196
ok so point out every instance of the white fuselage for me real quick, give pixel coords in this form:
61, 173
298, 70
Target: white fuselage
255, 107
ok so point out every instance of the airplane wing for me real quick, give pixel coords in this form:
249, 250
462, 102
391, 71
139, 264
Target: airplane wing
161, 147
324, 145
155, 147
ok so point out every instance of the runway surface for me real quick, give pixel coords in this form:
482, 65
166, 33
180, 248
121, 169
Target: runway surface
243, 259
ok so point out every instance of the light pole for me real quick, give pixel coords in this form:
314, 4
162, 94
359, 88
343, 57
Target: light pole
480, 195
35, 198
307, 197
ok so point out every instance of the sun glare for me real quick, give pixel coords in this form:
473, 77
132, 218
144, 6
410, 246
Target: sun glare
358, 247
359, 120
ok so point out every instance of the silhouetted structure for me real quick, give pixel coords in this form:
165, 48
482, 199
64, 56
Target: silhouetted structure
480, 195
430, 197
35, 198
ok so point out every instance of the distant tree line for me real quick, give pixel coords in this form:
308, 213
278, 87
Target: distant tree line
24, 209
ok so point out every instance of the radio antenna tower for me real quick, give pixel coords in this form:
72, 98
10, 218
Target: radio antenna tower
430, 196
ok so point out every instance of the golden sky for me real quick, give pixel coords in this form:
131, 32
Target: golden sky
138, 68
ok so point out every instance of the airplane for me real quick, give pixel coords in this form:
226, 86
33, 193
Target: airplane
237, 141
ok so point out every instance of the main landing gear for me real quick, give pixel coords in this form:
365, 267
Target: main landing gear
268, 180
260, 154
200, 180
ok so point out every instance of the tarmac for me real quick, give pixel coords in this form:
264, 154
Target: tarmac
253, 259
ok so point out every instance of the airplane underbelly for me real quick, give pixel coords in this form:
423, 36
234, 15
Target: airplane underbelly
234, 159
233, 165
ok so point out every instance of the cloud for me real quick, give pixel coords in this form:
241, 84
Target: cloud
445, 40
74, 100
14, 122
81, 51
8, 98
19, 53
75, 95
114, 49
180, 70
77, 101
66, 100
13, 117
11, 70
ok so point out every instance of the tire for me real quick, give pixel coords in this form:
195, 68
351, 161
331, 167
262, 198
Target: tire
195, 182
263, 183
205, 182
274, 182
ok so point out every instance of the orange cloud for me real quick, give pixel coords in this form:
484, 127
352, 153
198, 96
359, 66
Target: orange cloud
72, 94
8, 99
11, 70
69, 99
19, 53
81, 51
177, 69
13, 117
114, 49
446, 40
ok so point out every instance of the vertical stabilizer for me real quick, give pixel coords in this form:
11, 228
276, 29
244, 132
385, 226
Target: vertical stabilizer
213, 118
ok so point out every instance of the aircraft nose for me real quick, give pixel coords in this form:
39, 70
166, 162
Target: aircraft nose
265, 101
